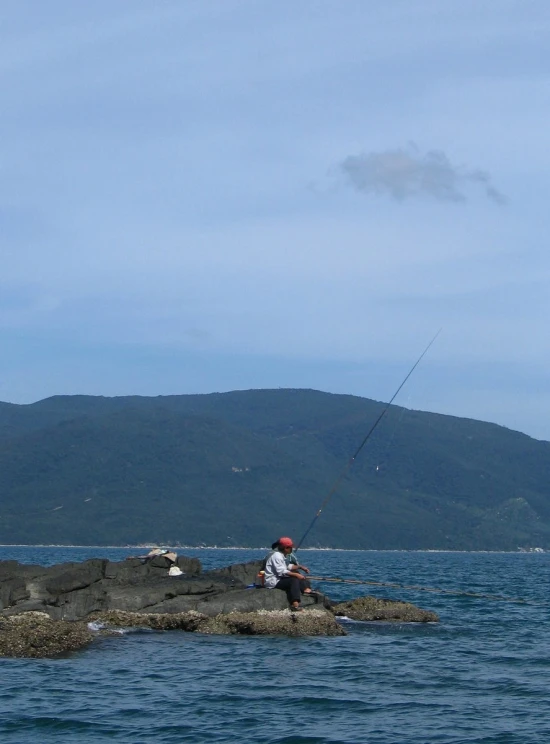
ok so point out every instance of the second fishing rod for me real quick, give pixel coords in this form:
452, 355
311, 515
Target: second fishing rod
352, 459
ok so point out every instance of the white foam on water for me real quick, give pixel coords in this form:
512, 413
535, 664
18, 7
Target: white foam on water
95, 626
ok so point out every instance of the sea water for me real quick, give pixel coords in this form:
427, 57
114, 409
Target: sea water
480, 675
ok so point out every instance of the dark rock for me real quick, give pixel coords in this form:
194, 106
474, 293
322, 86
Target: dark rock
249, 600
246, 573
78, 576
72, 591
136, 570
178, 593
189, 566
12, 591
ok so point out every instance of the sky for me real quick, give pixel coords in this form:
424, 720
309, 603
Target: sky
234, 194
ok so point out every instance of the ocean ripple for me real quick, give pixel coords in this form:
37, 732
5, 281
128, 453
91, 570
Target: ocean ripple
481, 676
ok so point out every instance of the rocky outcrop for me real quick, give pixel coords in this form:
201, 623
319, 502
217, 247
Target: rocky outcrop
140, 592
75, 591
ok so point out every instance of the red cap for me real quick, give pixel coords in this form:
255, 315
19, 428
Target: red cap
285, 542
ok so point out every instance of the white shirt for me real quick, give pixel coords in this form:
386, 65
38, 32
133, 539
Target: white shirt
275, 569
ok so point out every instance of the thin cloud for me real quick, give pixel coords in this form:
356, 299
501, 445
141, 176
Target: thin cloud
407, 173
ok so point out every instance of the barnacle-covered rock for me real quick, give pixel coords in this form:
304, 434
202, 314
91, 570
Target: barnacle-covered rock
372, 608
36, 635
312, 622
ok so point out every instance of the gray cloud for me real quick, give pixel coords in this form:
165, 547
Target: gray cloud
406, 173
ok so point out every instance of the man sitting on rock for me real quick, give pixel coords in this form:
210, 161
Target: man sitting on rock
279, 575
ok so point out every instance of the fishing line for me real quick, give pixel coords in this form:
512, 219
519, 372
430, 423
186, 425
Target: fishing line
6, 515
365, 440
435, 590
383, 459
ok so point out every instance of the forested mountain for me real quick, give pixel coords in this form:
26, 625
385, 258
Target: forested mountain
241, 468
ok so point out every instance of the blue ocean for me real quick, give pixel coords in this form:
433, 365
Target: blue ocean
481, 675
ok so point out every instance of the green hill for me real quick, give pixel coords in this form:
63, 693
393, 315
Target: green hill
241, 468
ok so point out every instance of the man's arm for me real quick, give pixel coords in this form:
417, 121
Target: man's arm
298, 567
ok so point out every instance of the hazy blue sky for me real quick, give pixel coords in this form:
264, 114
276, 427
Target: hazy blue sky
201, 196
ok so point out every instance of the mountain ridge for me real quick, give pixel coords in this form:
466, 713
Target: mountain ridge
242, 467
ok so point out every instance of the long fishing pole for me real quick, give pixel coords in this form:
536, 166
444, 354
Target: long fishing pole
365, 440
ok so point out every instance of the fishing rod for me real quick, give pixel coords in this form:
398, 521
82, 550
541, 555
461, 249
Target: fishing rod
365, 440
435, 590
